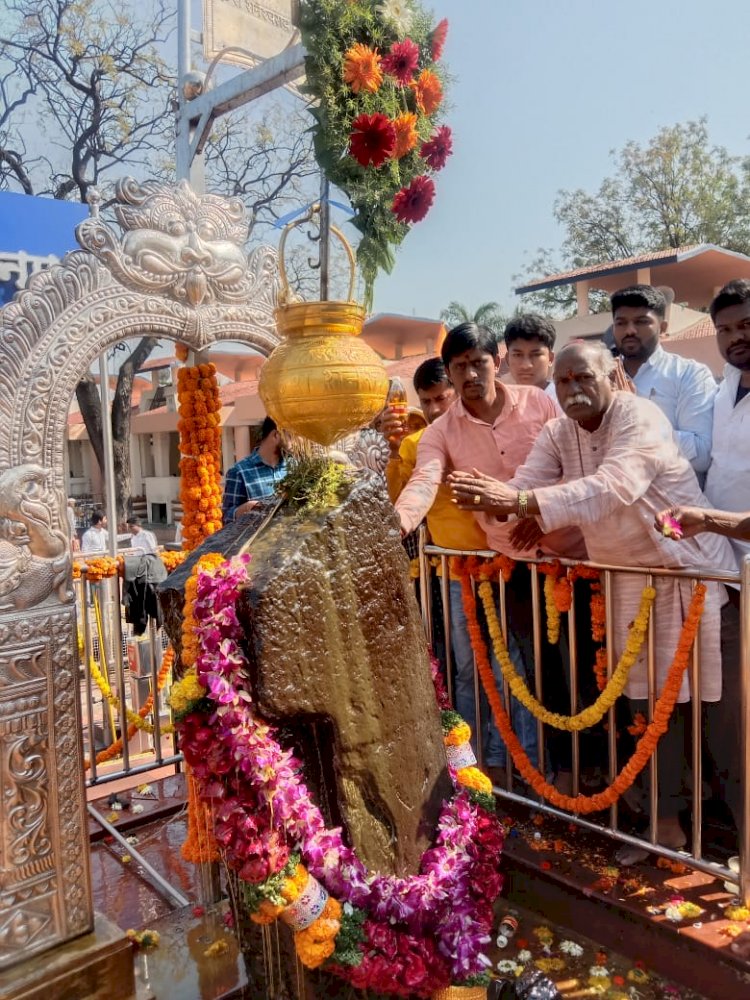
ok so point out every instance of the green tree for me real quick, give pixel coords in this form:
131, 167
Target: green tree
677, 189
487, 314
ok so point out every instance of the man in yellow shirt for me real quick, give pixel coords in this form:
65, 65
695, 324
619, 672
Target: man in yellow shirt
451, 528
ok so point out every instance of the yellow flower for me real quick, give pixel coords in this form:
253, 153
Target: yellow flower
472, 778
362, 69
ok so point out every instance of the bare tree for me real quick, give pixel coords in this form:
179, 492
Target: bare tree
86, 96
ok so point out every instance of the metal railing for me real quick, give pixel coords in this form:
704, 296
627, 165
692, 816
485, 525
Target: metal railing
436, 559
129, 665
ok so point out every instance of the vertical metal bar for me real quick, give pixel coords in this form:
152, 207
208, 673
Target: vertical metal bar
477, 699
109, 466
183, 66
86, 661
445, 593
325, 231
155, 688
120, 670
537, 628
652, 683
697, 740
745, 758
609, 605
424, 588
506, 686
573, 653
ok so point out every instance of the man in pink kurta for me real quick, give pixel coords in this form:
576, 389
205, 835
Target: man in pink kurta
491, 427
609, 467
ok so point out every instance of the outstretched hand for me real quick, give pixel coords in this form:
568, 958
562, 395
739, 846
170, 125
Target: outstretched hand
680, 522
525, 533
475, 491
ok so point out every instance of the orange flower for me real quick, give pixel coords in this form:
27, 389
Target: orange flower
406, 134
362, 69
428, 91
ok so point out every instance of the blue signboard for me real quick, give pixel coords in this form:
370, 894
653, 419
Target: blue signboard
32, 229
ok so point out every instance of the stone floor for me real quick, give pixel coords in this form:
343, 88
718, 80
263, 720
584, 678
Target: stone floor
180, 969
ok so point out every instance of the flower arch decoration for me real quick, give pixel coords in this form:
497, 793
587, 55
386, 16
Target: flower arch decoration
374, 72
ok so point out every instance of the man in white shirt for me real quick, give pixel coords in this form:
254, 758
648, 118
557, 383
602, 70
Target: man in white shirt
728, 480
728, 489
95, 538
683, 389
530, 340
141, 538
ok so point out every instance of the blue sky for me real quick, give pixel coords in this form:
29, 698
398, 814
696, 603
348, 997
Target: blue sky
543, 92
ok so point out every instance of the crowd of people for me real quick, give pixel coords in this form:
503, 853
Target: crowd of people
644, 437
578, 454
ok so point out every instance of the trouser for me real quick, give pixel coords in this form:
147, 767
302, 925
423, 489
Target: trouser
724, 718
671, 763
524, 724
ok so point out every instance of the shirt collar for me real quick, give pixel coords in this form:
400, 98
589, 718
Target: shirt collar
654, 360
508, 391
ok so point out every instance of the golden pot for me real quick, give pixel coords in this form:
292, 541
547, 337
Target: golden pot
322, 381
461, 993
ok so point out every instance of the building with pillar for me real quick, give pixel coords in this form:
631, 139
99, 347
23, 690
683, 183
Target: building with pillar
690, 276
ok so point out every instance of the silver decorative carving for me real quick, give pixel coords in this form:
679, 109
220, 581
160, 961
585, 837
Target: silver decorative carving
367, 450
34, 550
178, 271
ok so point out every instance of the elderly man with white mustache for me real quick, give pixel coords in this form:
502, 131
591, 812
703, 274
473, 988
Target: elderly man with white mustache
609, 467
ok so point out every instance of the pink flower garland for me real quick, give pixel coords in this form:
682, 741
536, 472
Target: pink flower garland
422, 932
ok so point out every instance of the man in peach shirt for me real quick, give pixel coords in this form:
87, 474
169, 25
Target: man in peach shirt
491, 426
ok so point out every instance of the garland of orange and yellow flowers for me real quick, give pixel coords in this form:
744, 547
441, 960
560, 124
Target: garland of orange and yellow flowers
588, 717
200, 846
199, 426
646, 745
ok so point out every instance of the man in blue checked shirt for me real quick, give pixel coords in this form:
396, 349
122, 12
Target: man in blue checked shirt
255, 477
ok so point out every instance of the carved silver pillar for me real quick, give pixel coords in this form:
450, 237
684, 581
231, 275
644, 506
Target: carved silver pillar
177, 269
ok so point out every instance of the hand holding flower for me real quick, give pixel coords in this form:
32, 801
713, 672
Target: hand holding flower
680, 522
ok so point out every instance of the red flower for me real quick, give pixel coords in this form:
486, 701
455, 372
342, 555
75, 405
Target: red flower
401, 61
437, 149
412, 203
437, 38
373, 140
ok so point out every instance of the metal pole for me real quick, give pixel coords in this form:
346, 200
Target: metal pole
183, 67
325, 231
169, 890
609, 606
109, 466
745, 696
697, 740
536, 613
653, 805
573, 655
445, 593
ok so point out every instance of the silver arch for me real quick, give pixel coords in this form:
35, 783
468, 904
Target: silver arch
175, 267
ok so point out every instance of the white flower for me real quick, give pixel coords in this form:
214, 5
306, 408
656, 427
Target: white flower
399, 13
524, 956
673, 913
137, 808
116, 806
598, 970
508, 966
132, 841
571, 948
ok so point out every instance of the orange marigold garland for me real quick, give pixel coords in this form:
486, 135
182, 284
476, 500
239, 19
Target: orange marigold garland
200, 448
585, 804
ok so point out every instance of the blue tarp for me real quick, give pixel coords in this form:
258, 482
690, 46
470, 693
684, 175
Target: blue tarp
38, 226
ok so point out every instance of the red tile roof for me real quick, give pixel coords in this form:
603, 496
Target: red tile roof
703, 328
671, 255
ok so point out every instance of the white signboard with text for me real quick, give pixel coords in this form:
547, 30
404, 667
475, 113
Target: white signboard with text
262, 27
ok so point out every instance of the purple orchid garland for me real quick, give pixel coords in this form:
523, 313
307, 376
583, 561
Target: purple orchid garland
260, 805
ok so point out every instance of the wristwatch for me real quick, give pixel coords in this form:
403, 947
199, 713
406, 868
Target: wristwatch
523, 503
